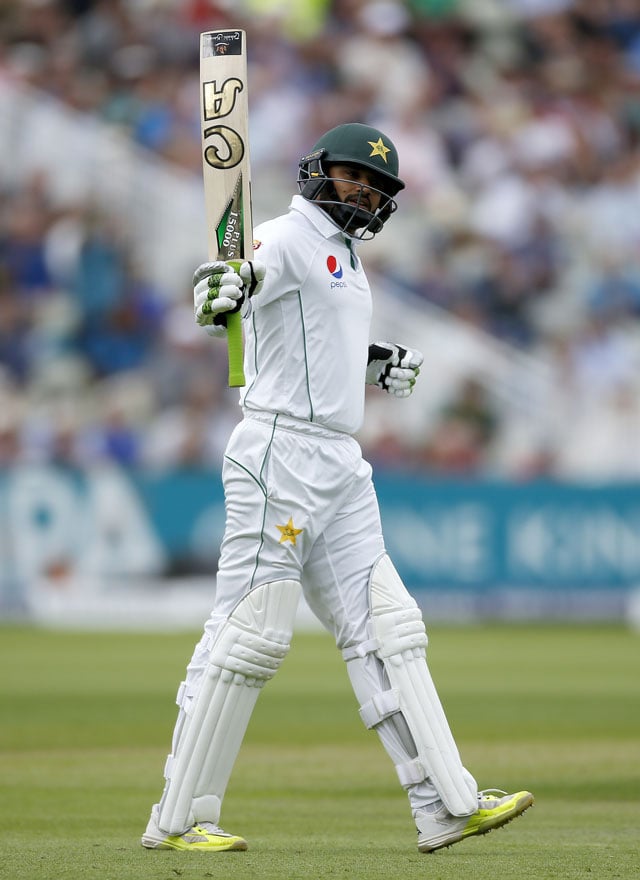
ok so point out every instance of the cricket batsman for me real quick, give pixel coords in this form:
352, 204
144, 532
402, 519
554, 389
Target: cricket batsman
302, 514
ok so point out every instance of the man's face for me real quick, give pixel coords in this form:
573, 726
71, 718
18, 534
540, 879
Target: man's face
355, 185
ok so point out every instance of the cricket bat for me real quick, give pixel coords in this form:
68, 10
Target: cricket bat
224, 116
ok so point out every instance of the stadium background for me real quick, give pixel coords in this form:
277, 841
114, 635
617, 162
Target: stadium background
509, 482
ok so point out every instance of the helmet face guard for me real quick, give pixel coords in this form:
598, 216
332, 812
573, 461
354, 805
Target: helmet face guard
361, 146
351, 217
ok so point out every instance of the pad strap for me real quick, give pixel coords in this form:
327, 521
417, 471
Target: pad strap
379, 707
360, 650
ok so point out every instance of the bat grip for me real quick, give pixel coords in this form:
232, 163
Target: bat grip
235, 352
235, 343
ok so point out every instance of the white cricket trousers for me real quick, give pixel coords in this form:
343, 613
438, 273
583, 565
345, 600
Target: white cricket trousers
300, 505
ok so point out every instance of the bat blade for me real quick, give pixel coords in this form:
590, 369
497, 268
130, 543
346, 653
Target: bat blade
224, 116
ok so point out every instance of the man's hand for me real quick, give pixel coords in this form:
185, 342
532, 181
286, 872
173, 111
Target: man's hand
393, 368
220, 288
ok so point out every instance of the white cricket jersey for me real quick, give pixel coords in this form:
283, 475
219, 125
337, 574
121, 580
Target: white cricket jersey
307, 337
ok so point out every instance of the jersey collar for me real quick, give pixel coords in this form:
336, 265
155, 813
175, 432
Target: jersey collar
319, 218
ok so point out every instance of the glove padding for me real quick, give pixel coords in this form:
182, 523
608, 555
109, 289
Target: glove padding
393, 368
218, 290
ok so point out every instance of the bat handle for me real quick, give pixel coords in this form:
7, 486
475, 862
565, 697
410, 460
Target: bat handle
235, 350
235, 343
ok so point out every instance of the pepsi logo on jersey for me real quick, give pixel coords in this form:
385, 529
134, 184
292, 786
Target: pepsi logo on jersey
335, 269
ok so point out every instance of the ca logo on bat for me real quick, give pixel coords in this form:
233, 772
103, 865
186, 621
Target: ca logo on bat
227, 148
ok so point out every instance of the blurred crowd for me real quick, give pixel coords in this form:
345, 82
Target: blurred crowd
518, 128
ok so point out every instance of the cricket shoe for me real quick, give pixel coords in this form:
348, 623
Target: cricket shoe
201, 837
495, 808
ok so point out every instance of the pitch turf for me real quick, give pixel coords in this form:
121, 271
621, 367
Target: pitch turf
86, 722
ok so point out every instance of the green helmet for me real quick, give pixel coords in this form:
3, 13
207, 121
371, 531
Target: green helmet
359, 144
352, 144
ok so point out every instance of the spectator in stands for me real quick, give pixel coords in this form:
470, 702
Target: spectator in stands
460, 442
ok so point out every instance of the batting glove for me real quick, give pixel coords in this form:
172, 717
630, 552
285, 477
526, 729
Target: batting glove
393, 368
219, 289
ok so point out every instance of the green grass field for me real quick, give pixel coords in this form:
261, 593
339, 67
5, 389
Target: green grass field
87, 719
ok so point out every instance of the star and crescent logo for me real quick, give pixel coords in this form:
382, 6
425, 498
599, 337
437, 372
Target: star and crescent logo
289, 532
378, 148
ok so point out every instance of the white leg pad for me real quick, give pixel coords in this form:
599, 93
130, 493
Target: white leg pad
247, 652
400, 643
